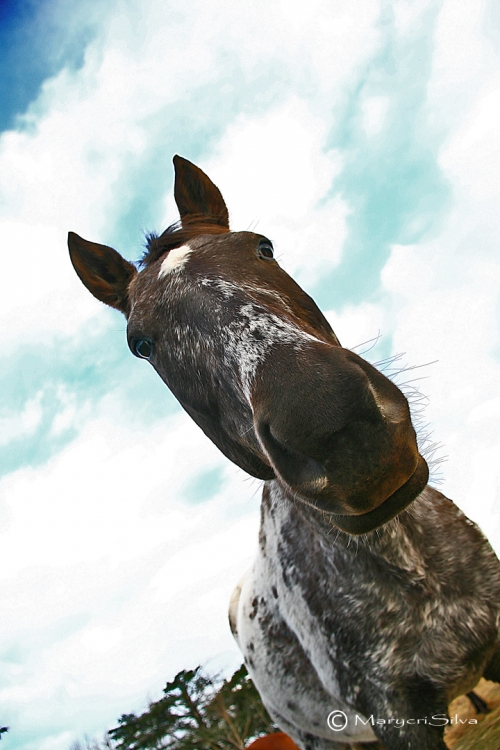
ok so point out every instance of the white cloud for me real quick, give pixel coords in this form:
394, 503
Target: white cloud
444, 292
40, 294
462, 52
472, 156
408, 14
125, 579
374, 110
20, 425
104, 568
72, 162
100, 497
358, 326
276, 172
89, 123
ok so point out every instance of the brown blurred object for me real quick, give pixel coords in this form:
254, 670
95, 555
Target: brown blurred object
485, 735
275, 741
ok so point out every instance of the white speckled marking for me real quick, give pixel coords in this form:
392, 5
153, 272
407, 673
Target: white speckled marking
175, 260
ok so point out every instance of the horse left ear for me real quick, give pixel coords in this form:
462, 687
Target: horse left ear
197, 196
103, 271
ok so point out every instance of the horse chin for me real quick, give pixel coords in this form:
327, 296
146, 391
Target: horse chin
386, 511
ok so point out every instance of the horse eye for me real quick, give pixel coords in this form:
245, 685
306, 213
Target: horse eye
265, 249
143, 348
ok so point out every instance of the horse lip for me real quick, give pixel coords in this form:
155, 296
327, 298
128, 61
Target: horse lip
390, 508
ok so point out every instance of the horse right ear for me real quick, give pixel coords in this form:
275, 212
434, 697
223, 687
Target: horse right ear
196, 195
103, 271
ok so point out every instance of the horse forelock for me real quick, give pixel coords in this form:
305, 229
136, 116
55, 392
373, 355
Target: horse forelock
177, 234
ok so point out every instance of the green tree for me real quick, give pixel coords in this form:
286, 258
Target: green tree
237, 713
197, 712
92, 744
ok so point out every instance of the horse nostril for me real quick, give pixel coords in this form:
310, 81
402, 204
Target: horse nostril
392, 410
298, 468
391, 404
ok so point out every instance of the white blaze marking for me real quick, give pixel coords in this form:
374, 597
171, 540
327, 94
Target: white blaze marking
175, 260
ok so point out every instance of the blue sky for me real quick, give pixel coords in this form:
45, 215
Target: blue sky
363, 138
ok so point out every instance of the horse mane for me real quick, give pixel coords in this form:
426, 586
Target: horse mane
178, 234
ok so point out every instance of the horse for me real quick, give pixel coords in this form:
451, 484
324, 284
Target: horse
373, 600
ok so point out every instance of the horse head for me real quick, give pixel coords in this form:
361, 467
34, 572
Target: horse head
255, 363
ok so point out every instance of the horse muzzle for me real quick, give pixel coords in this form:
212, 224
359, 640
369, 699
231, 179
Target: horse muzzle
338, 436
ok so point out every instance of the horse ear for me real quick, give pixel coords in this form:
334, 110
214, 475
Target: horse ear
196, 194
103, 271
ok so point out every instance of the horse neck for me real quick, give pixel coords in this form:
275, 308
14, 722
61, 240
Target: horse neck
399, 543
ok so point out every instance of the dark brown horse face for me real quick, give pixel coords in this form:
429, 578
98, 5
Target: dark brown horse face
255, 363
